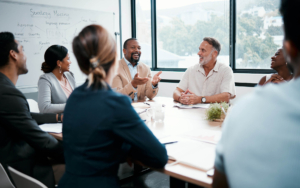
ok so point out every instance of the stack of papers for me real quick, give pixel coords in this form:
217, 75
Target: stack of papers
52, 127
184, 106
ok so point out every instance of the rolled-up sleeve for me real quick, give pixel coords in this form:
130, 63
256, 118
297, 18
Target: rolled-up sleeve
183, 84
227, 84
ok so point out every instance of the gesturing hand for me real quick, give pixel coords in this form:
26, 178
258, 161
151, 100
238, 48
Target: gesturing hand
138, 80
156, 78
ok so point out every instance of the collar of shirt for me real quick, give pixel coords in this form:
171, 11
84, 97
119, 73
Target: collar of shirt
129, 64
215, 69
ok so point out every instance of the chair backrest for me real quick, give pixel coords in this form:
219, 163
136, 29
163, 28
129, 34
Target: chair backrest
4, 179
33, 106
24, 181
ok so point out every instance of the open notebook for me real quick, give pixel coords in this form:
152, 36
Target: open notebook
196, 154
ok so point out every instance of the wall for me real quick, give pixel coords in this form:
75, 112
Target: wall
99, 5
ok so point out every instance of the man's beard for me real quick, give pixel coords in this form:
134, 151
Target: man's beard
206, 59
135, 60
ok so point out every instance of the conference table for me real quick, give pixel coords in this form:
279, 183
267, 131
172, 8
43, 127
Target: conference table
176, 122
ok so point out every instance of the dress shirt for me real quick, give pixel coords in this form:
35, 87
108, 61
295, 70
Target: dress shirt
219, 80
133, 70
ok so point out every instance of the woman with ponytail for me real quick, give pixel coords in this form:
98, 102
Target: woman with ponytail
56, 85
101, 128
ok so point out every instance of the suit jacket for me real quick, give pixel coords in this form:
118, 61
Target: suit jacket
100, 129
23, 145
51, 96
122, 82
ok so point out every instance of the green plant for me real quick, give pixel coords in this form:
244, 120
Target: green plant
214, 111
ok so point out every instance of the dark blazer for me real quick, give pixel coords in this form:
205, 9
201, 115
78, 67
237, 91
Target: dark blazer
100, 129
23, 145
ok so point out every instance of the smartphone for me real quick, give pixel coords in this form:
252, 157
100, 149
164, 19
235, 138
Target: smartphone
210, 173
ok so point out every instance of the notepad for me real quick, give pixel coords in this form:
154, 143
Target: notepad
184, 106
196, 154
52, 127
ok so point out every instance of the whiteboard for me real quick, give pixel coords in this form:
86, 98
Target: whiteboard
37, 27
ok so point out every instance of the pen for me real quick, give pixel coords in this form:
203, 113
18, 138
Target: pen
170, 143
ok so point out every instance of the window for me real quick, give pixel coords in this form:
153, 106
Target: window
143, 30
258, 33
249, 37
181, 26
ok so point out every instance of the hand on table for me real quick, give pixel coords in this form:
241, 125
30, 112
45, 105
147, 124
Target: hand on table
156, 78
138, 80
188, 98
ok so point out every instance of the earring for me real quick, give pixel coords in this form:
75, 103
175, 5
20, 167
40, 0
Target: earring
60, 69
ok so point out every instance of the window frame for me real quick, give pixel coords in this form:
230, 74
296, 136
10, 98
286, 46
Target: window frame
232, 40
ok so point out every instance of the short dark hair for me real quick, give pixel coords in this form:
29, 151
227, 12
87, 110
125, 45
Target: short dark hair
52, 55
7, 43
289, 10
214, 42
126, 41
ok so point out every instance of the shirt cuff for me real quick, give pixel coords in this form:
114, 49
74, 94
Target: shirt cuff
135, 88
154, 87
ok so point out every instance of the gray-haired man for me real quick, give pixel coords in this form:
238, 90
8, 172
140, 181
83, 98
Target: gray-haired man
206, 82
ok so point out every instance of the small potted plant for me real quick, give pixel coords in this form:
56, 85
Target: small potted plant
215, 111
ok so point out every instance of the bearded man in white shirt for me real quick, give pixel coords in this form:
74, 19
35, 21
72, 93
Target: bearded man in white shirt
209, 81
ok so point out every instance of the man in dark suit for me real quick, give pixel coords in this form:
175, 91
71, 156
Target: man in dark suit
23, 145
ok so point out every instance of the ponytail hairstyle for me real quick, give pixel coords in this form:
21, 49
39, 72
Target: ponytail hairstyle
95, 51
52, 55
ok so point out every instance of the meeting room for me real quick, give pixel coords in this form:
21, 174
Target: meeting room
149, 93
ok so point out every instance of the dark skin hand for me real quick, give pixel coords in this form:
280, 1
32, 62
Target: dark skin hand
138, 80
275, 78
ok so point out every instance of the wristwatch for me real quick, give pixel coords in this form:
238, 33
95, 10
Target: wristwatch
203, 99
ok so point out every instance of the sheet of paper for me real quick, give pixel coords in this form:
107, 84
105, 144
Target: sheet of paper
205, 135
140, 105
183, 106
140, 110
196, 154
52, 127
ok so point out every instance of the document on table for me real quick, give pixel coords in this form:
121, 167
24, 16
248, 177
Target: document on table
140, 110
52, 127
204, 135
196, 154
184, 106
140, 105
